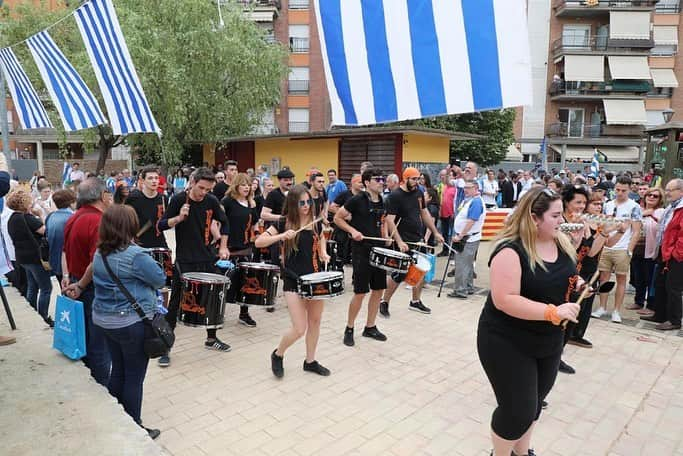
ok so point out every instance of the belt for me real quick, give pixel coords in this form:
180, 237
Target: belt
468, 234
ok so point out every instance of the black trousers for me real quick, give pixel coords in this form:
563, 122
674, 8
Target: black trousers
520, 381
674, 288
18, 278
660, 296
177, 291
578, 330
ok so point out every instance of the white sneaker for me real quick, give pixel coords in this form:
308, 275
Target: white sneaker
616, 318
599, 312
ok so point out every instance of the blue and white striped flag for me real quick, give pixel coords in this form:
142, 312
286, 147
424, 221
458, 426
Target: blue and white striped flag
31, 111
66, 172
126, 103
595, 164
388, 60
75, 102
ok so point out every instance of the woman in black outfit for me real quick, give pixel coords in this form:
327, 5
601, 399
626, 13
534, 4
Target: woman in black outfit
242, 214
26, 230
303, 254
519, 338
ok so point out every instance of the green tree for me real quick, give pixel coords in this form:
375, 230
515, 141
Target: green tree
203, 82
496, 126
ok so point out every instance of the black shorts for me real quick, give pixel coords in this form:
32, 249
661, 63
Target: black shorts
365, 276
289, 284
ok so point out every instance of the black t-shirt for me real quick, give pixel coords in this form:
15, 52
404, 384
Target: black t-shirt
319, 203
343, 197
240, 220
259, 200
193, 235
219, 190
539, 338
367, 216
587, 265
148, 210
407, 207
303, 260
275, 201
25, 239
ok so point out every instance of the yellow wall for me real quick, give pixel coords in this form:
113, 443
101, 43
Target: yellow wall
423, 148
208, 154
300, 155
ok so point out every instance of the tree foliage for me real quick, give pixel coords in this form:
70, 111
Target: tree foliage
496, 126
203, 82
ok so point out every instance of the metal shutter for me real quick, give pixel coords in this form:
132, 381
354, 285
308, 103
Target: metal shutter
353, 152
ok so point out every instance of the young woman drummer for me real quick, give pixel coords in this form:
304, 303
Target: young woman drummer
302, 253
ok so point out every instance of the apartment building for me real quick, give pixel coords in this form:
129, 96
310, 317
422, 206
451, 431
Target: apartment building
603, 71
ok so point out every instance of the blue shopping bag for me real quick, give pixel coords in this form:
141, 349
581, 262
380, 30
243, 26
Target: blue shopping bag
69, 337
432, 271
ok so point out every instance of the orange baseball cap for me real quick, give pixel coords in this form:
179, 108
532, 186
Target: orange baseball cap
410, 172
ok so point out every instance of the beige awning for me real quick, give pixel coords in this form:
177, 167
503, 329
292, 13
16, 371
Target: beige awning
584, 68
625, 112
666, 35
624, 154
629, 25
664, 77
629, 67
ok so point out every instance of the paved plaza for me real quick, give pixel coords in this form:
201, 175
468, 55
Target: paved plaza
421, 392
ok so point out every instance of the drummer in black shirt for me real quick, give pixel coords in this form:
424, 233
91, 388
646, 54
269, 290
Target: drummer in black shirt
275, 201
367, 219
149, 205
319, 197
407, 204
339, 235
240, 209
191, 213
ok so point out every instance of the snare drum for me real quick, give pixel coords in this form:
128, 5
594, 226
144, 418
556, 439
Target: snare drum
203, 300
163, 256
390, 260
256, 284
417, 270
321, 285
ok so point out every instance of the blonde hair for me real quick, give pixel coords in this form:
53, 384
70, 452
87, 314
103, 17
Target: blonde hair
240, 179
522, 227
19, 201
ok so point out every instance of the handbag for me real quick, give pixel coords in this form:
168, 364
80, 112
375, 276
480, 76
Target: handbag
69, 330
159, 336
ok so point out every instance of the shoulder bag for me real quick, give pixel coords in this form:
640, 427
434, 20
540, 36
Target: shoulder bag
42, 246
159, 336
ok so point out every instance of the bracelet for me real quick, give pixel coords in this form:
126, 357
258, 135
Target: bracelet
551, 315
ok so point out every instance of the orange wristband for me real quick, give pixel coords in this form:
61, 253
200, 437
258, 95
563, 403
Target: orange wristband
551, 315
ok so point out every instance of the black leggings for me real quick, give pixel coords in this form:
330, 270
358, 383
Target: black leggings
520, 382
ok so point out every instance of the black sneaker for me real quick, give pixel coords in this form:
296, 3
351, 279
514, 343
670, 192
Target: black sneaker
443, 253
348, 337
384, 309
544, 405
270, 309
451, 274
153, 433
49, 321
216, 344
457, 294
373, 333
276, 364
580, 342
566, 368
317, 368
246, 320
419, 307
164, 361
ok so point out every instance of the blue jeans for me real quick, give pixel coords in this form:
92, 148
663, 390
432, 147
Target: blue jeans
446, 226
38, 280
97, 359
128, 366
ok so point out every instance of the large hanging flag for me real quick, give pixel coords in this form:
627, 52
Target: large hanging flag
126, 103
31, 111
75, 102
388, 60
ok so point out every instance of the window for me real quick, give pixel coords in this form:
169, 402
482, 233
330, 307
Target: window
298, 120
664, 50
660, 92
298, 4
298, 80
576, 36
298, 38
668, 6
572, 122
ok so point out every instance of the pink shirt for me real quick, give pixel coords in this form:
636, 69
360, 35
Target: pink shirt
650, 224
447, 197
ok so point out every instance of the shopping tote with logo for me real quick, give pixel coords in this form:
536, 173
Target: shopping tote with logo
69, 328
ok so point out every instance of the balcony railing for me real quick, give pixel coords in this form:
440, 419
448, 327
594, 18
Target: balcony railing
299, 127
299, 4
299, 45
298, 86
586, 130
603, 4
600, 45
600, 89
667, 8
258, 3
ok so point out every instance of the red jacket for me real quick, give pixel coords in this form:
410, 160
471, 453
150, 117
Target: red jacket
672, 242
80, 239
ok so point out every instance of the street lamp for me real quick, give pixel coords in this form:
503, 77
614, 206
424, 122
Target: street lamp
668, 115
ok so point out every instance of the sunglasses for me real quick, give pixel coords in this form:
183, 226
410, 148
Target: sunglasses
654, 195
305, 203
378, 179
547, 192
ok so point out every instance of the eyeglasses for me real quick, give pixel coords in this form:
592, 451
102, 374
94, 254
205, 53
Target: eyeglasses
304, 203
652, 194
378, 179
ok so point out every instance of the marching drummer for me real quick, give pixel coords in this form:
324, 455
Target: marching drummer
191, 212
303, 249
367, 219
240, 209
149, 205
407, 204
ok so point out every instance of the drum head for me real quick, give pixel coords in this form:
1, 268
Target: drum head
206, 277
265, 266
389, 252
322, 276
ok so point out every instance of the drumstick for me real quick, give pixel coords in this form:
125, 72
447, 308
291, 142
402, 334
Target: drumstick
584, 293
395, 228
370, 238
144, 228
309, 225
421, 244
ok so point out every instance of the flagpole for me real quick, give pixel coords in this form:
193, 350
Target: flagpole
4, 120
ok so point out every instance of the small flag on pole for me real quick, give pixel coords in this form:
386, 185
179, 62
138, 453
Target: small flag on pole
595, 164
66, 172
